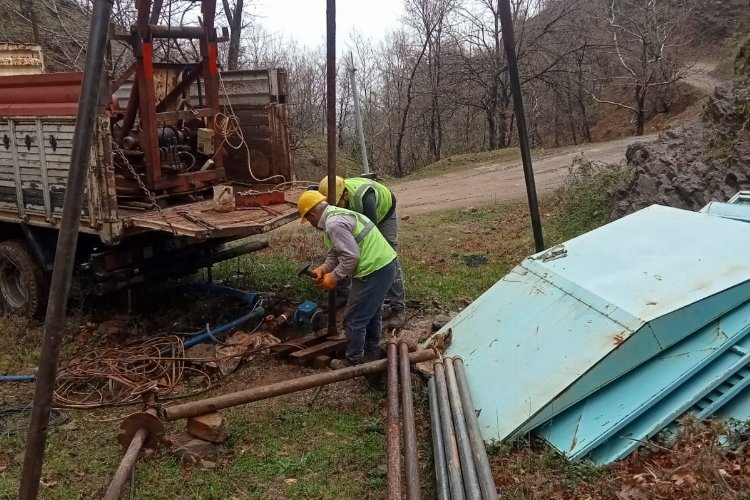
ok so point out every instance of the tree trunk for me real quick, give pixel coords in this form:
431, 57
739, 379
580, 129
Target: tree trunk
405, 114
585, 119
491, 131
640, 118
234, 19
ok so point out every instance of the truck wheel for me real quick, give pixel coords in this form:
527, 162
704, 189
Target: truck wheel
23, 289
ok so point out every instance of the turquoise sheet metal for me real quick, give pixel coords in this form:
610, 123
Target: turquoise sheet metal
567, 322
616, 419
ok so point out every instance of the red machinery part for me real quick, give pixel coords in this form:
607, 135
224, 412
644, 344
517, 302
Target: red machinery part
261, 199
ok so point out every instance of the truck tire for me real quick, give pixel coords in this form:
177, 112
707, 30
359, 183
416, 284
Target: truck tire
23, 288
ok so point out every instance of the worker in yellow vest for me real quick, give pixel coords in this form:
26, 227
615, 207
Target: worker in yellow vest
356, 250
376, 202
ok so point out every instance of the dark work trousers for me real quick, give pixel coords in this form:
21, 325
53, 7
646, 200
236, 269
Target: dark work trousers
396, 295
363, 316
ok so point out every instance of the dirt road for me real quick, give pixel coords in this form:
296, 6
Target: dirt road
491, 183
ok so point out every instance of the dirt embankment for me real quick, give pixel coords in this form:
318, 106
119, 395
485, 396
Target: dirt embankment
691, 165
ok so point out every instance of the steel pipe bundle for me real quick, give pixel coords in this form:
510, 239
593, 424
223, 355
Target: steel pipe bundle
462, 469
399, 374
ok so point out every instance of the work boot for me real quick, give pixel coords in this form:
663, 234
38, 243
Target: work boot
387, 311
337, 364
374, 355
396, 320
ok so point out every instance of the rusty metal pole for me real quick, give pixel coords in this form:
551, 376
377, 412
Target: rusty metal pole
67, 239
393, 446
331, 131
411, 457
126, 465
506, 20
210, 405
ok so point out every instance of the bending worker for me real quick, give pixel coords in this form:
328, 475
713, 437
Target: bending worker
376, 202
356, 249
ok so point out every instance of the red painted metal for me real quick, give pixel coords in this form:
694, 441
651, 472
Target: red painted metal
259, 199
42, 80
54, 94
50, 109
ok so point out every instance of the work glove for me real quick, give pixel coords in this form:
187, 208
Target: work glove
318, 273
327, 281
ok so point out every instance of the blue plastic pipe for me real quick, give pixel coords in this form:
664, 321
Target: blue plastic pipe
17, 378
249, 297
257, 312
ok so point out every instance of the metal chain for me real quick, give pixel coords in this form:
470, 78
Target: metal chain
143, 187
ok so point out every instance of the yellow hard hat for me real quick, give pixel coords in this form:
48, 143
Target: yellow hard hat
323, 187
307, 201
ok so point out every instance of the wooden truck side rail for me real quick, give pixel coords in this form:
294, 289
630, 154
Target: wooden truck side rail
35, 155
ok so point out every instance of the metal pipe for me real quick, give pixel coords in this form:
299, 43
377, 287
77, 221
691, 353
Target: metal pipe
482, 462
358, 122
256, 312
17, 378
468, 469
393, 448
177, 32
438, 449
509, 43
209, 405
411, 457
54, 324
124, 470
455, 480
331, 131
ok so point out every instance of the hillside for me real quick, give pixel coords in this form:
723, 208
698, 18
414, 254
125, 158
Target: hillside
690, 165
62, 34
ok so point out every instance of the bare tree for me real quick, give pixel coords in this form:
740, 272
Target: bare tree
234, 12
644, 42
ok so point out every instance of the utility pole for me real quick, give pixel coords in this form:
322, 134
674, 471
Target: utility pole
54, 322
506, 21
358, 122
331, 131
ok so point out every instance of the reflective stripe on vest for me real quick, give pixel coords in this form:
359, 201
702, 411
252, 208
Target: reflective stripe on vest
357, 187
374, 250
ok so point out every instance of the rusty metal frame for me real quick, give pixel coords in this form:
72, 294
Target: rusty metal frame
143, 95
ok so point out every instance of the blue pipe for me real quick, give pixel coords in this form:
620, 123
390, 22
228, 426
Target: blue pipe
249, 297
17, 378
227, 291
257, 312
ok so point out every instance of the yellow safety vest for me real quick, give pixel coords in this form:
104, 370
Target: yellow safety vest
357, 187
374, 250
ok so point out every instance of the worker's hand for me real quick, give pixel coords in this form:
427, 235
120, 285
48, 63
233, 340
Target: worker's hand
318, 273
327, 281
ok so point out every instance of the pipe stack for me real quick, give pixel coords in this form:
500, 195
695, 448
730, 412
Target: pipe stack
399, 374
462, 469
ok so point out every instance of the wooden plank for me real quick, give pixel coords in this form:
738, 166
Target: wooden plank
291, 344
171, 116
327, 347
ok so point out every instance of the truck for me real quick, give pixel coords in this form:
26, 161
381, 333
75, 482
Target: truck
186, 160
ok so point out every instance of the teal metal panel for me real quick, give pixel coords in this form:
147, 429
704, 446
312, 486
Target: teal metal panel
563, 324
672, 326
583, 427
728, 211
721, 375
